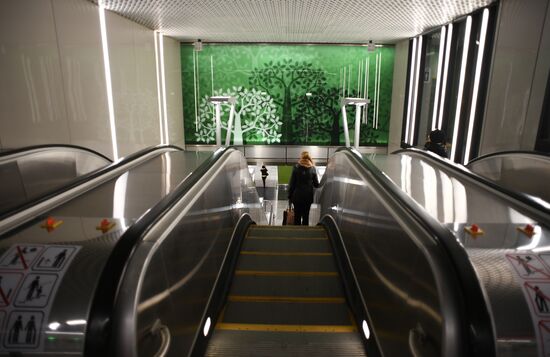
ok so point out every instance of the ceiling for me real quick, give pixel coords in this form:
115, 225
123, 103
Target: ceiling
301, 21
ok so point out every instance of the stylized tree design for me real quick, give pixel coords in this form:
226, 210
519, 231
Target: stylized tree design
286, 77
255, 117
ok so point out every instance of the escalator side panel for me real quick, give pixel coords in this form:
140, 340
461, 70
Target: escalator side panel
400, 281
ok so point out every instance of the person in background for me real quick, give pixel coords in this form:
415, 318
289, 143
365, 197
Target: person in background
264, 174
300, 188
436, 143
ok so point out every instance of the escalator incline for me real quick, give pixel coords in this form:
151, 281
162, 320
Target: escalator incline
286, 298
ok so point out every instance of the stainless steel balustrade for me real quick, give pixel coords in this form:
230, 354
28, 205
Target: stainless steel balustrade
173, 269
30, 172
407, 281
526, 172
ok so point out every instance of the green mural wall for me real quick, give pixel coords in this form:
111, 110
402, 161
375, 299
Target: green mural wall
271, 82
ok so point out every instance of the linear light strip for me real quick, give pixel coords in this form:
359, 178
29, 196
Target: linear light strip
479, 64
375, 90
438, 81
163, 81
366, 90
419, 55
411, 81
445, 74
107, 65
378, 97
461, 84
159, 94
195, 90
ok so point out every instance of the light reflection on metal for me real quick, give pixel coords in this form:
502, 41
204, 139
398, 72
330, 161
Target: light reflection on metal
430, 189
119, 203
76, 322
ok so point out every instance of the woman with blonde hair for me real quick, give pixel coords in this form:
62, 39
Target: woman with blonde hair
300, 189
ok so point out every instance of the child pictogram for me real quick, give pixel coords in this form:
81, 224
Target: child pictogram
36, 290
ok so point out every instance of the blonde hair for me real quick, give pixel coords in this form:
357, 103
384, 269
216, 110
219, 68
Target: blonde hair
305, 159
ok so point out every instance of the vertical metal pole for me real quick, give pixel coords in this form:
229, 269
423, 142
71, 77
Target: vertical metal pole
345, 123
230, 125
218, 125
357, 126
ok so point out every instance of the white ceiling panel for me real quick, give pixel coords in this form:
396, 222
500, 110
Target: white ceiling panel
309, 21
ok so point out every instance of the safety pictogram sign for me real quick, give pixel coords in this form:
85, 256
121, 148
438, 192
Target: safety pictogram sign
54, 258
20, 257
539, 296
30, 275
9, 283
23, 329
528, 266
36, 290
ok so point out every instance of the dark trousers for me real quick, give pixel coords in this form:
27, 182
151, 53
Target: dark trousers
301, 214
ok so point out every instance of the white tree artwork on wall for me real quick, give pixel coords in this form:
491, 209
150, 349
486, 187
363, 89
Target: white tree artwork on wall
255, 117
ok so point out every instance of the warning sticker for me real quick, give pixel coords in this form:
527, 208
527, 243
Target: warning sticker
528, 266
9, 283
36, 290
20, 257
533, 273
54, 258
30, 275
23, 329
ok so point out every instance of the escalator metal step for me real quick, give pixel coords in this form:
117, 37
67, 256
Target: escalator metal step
287, 313
278, 344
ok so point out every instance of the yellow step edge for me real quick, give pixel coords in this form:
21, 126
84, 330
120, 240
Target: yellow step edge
286, 328
308, 228
285, 273
292, 299
297, 254
283, 238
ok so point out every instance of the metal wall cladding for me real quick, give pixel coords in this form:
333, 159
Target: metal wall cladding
294, 20
394, 269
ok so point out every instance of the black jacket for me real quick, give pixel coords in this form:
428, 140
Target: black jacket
302, 182
439, 149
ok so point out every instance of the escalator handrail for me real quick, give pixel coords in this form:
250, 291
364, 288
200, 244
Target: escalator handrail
537, 209
51, 146
84, 178
99, 321
477, 314
536, 154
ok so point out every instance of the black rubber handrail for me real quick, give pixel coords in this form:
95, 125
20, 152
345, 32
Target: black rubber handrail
99, 322
477, 318
510, 152
82, 179
52, 146
538, 211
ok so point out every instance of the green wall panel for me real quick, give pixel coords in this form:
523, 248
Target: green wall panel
271, 82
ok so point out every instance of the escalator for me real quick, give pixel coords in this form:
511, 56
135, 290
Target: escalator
286, 299
189, 267
35, 171
519, 171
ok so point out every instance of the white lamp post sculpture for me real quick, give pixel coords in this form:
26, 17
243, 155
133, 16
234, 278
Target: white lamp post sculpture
218, 101
358, 102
